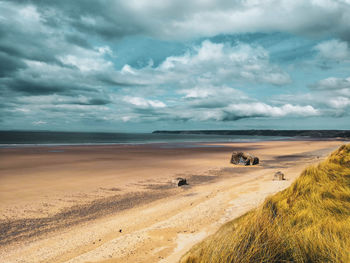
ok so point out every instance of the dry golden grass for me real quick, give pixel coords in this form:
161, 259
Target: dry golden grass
307, 222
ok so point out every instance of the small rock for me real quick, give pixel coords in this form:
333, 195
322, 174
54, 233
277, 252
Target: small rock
279, 176
180, 181
120, 230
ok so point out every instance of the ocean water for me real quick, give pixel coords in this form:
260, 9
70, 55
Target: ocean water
13, 138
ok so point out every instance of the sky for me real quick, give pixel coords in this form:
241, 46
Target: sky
144, 65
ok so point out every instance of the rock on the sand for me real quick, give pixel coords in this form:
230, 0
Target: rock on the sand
279, 176
180, 181
244, 158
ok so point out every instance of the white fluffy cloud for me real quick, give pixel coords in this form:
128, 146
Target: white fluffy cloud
333, 84
86, 64
334, 49
334, 92
330, 96
339, 102
211, 97
204, 92
239, 111
211, 63
39, 122
258, 109
144, 103
208, 103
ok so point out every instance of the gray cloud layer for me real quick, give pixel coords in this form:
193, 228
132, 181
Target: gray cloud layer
174, 19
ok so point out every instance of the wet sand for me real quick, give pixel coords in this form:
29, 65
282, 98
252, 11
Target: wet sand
116, 203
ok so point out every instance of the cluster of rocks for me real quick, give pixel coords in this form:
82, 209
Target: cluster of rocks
244, 158
236, 158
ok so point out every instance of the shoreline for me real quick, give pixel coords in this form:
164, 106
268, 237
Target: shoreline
107, 187
194, 143
19, 145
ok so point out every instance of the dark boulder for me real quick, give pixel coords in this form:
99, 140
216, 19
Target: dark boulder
244, 158
180, 181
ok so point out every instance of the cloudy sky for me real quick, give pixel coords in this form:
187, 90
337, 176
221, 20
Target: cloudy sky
141, 65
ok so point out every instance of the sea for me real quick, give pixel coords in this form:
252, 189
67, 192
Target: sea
22, 138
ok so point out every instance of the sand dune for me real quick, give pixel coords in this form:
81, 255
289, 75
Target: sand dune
68, 204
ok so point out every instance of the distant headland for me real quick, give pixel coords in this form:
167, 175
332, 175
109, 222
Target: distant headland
287, 133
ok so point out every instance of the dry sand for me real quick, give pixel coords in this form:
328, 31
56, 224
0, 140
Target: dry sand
116, 203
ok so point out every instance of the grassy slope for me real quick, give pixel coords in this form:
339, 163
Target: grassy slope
307, 222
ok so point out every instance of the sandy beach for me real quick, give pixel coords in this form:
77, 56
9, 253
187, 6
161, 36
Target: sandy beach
116, 203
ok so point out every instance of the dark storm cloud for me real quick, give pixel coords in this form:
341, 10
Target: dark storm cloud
9, 65
35, 88
33, 51
32, 54
209, 104
41, 53
40, 88
107, 19
78, 40
233, 117
96, 101
110, 80
177, 19
148, 112
230, 116
20, 43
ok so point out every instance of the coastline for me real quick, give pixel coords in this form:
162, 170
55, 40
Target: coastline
49, 138
155, 144
169, 144
83, 187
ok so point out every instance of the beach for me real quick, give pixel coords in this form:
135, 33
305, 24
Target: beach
117, 203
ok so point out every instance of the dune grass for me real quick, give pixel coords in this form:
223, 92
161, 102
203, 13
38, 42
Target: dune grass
307, 222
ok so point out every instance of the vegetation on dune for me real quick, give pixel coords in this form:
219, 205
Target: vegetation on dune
307, 222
